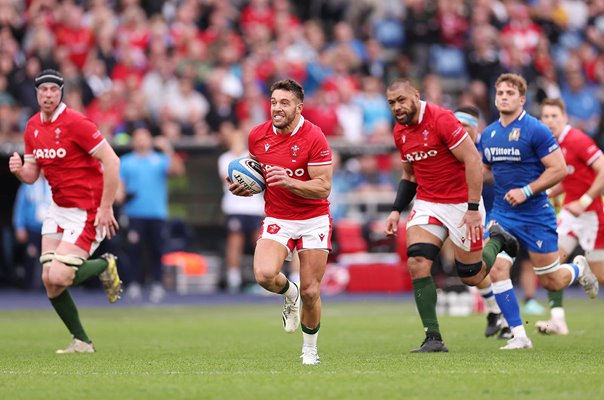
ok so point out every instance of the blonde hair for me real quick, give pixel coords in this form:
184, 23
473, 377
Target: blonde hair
515, 80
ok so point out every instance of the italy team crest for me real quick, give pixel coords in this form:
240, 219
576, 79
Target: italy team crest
514, 135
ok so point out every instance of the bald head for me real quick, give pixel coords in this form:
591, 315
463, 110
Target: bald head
401, 84
403, 99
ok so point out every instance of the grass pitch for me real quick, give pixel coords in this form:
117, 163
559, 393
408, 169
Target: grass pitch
241, 352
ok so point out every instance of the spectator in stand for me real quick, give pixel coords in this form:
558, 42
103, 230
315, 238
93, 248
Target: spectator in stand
375, 62
340, 187
369, 179
350, 115
251, 110
322, 111
373, 105
186, 106
582, 105
134, 117
72, 34
158, 81
344, 39
482, 57
107, 111
421, 31
95, 74
22, 86
224, 89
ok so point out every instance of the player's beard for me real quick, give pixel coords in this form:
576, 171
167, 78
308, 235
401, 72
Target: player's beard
407, 117
285, 122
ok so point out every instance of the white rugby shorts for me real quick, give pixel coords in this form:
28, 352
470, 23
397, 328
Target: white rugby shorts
442, 220
313, 233
73, 225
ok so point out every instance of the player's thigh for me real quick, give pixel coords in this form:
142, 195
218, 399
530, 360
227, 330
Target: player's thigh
269, 257
312, 265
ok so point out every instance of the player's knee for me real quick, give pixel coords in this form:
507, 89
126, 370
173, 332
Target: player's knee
310, 294
469, 273
500, 270
62, 270
58, 279
264, 277
420, 258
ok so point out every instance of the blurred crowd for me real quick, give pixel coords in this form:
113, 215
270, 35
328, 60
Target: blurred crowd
195, 70
184, 67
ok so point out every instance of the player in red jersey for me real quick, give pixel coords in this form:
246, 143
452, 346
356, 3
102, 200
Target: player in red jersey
296, 160
83, 172
581, 220
442, 166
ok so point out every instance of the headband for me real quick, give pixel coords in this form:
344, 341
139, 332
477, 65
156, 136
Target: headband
49, 76
467, 118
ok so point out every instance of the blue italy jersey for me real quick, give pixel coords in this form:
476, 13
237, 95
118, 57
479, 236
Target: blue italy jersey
514, 155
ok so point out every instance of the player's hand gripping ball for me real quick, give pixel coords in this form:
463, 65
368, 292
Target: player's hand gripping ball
248, 173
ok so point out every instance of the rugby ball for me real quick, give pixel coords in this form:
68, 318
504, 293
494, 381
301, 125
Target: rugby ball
248, 173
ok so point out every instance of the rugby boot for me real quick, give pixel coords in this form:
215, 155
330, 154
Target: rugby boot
518, 343
587, 280
112, 285
509, 243
432, 344
552, 327
291, 312
77, 346
494, 324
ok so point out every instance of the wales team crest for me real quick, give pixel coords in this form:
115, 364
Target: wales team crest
514, 135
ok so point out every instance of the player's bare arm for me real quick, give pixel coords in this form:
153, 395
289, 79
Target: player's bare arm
391, 228
577, 207
27, 172
317, 187
555, 190
555, 171
111, 179
466, 152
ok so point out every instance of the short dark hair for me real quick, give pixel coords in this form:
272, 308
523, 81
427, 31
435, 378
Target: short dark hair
401, 82
557, 102
469, 109
289, 85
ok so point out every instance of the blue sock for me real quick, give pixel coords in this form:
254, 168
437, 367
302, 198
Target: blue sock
574, 271
507, 302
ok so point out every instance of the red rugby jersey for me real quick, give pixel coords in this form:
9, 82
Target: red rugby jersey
305, 146
63, 148
427, 145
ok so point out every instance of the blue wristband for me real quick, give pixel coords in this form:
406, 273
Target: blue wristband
526, 190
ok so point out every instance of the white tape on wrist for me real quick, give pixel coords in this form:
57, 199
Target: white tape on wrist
585, 200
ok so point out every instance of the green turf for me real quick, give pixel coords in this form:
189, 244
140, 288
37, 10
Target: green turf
241, 352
